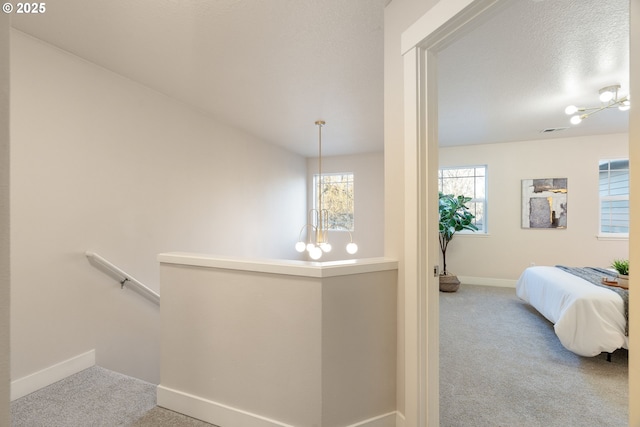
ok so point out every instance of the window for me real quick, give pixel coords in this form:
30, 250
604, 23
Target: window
337, 198
470, 181
614, 197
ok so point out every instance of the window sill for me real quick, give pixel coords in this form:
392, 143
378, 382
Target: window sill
612, 237
472, 234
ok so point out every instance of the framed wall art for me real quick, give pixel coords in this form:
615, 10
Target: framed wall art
544, 203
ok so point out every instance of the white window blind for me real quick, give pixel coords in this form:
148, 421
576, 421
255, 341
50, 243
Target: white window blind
614, 197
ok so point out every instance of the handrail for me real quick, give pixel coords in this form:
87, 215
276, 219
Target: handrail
123, 277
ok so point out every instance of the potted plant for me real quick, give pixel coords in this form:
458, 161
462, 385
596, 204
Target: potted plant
454, 217
622, 267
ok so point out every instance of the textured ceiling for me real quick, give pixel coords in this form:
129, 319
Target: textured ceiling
272, 68
512, 77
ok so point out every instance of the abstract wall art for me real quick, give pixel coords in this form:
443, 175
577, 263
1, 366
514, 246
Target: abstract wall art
544, 203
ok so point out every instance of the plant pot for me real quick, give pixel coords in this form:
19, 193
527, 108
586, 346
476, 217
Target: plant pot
623, 280
449, 283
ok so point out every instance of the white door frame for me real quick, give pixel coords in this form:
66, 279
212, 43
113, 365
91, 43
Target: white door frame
444, 23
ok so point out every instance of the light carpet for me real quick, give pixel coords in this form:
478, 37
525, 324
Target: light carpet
96, 397
501, 364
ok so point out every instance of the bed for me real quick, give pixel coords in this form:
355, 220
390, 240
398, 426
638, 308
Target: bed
588, 319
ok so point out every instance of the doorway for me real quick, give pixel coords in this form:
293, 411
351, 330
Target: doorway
442, 25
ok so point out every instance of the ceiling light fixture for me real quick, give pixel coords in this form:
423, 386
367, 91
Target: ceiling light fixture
609, 96
318, 219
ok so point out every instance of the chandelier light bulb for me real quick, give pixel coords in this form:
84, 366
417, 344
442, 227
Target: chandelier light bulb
352, 248
301, 246
576, 119
326, 247
315, 253
571, 109
624, 106
310, 247
606, 96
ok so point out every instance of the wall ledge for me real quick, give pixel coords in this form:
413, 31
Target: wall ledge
280, 266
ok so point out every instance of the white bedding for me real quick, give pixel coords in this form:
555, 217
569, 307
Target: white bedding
588, 319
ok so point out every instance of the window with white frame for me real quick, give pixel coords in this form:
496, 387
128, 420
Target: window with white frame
613, 178
468, 181
337, 199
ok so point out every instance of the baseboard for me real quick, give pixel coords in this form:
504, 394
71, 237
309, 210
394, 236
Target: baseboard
400, 420
487, 281
210, 411
386, 420
34, 382
227, 416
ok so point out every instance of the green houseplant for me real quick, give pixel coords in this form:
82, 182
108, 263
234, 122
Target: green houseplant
622, 267
454, 217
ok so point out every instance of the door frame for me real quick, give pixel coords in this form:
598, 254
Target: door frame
446, 22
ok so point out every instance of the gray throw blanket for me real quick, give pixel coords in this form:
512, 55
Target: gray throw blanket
594, 275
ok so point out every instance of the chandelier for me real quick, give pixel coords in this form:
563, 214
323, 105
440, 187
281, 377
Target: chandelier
317, 226
609, 97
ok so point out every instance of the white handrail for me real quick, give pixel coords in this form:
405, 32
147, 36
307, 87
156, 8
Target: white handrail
123, 277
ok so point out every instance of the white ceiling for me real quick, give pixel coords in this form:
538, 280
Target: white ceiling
272, 68
513, 77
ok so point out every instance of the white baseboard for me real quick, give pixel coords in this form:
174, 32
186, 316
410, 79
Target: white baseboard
400, 420
47, 376
487, 281
386, 420
227, 416
210, 411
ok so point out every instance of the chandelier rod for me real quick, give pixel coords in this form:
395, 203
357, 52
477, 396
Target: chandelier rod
320, 231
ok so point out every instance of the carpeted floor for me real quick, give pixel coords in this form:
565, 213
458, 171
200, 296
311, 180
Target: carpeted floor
96, 397
501, 364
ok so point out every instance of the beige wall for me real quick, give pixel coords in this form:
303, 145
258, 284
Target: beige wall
304, 351
4, 220
103, 164
358, 347
508, 249
229, 337
398, 16
368, 234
